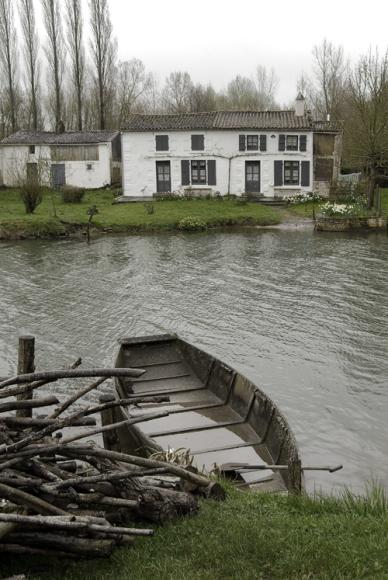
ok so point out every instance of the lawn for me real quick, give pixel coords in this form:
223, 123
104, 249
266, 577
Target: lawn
250, 536
48, 218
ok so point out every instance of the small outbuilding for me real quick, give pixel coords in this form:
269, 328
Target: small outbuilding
90, 159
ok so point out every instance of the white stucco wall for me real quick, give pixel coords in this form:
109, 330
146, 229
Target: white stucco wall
14, 159
139, 158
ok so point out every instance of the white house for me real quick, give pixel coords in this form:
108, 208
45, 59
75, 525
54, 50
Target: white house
89, 159
270, 153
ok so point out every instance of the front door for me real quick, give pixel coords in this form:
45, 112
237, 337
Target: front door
58, 176
32, 172
252, 176
163, 177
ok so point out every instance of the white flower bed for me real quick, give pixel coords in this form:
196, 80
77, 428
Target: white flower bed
338, 209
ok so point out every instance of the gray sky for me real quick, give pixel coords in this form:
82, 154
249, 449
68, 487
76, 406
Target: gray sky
216, 39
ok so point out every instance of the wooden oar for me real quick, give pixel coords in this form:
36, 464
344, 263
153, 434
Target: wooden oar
242, 466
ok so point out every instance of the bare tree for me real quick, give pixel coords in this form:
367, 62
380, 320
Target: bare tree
77, 55
132, 83
177, 92
330, 72
103, 48
266, 86
8, 57
31, 47
366, 129
241, 93
203, 98
55, 54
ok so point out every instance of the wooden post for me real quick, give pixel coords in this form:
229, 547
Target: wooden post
295, 476
26, 364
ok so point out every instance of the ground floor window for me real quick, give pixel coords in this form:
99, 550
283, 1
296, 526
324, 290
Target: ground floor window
291, 173
198, 172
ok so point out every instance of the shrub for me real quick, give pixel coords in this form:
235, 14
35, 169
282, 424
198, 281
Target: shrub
31, 193
72, 194
191, 224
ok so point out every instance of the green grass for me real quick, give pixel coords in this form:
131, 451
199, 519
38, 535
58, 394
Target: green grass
130, 217
250, 536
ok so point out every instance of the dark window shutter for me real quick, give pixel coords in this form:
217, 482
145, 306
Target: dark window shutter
185, 166
197, 142
302, 143
305, 174
263, 142
282, 142
241, 142
211, 172
278, 173
161, 142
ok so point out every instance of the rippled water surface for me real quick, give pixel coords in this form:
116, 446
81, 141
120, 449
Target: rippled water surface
304, 315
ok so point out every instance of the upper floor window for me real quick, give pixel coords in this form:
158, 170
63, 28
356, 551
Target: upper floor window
197, 142
292, 142
252, 142
32, 149
161, 142
198, 172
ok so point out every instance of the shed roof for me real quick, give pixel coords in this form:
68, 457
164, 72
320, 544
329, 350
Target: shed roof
219, 120
66, 138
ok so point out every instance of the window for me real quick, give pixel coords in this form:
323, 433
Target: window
32, 149
197, 142
291, 173
198, 172
252, 142
292, 142
161, 142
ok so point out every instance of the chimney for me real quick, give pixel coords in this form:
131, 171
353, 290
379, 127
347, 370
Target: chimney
299, 105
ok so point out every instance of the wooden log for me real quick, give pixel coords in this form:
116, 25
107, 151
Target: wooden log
95, 499
71, 524
20, 550
84, 547
163, 505
78, 452
295, 476
70, 374
36, 435
25, 423
127, 422
26, 365
28, 404
27, 500
103, 477
78, 395
125, 403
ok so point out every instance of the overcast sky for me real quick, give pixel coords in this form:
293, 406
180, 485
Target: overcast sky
214, 40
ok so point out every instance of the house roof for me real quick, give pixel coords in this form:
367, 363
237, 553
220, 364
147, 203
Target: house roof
241, 120
67, 138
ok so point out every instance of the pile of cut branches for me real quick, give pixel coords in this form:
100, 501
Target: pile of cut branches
63, 494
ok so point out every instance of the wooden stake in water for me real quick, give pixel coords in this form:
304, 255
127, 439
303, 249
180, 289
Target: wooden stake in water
26, 364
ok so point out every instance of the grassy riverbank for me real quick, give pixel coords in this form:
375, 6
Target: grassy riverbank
54, 218
305, 210
249, 536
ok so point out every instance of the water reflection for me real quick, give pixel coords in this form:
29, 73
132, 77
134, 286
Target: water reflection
303, 315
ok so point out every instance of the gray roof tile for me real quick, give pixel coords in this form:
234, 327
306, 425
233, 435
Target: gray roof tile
241, 120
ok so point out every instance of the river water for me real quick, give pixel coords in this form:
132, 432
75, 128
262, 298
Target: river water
303, 314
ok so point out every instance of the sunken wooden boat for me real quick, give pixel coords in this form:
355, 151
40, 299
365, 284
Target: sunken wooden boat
215, 412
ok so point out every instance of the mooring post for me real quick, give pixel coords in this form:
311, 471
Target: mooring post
295, 476
26, 364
